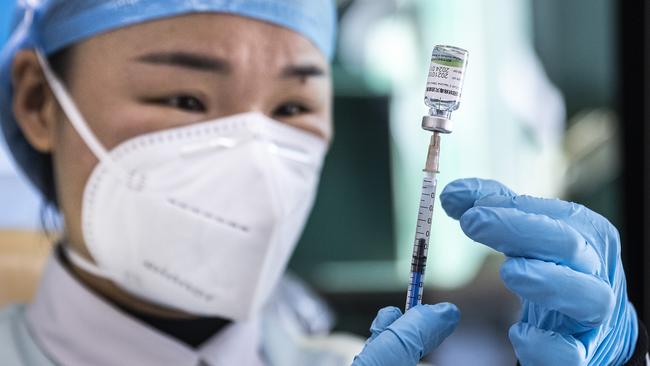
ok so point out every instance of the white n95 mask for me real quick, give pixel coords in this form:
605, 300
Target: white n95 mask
201, 218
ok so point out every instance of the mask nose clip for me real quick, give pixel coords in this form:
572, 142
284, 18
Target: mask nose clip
215, 144
290, 152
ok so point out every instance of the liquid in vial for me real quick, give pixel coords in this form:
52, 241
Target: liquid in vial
445, 81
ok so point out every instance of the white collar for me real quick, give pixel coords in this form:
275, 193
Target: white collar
74, 327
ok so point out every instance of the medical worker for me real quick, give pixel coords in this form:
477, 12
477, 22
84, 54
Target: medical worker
182, 141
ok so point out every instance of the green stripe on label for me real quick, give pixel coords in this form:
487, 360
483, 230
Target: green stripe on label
447, 62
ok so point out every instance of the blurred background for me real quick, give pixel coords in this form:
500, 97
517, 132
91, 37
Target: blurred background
553, 105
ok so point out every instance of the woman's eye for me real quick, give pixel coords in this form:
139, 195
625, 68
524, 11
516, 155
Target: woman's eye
186, 103
290, 110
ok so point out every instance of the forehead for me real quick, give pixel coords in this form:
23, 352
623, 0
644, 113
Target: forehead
238, 39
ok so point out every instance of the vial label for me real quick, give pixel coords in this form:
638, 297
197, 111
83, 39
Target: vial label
445, 79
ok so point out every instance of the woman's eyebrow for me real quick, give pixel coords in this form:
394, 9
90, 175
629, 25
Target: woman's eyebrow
201, 62
187, 60
302, 71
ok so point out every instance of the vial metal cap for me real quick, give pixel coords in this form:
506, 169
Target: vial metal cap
437, 124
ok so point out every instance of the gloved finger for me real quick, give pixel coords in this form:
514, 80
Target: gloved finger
519, 234
538, 347
410, 337
572, 212
460, 195
583, 297
385, 317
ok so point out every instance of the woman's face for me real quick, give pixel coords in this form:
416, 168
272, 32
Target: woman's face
175, 72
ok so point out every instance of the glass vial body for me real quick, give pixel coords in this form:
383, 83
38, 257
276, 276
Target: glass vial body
445, 80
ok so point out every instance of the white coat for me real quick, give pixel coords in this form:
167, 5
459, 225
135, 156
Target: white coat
67, 324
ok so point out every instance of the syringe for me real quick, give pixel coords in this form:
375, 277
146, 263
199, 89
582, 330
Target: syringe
444, 86
423, 229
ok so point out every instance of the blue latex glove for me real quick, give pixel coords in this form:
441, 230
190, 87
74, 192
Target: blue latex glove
563, 260
398, 340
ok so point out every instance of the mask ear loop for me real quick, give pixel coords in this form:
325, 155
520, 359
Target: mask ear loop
82, 128
76, 119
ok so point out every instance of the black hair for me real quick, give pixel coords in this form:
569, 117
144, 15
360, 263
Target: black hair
60, 62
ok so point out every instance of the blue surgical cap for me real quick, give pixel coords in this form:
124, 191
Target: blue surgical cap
52, 25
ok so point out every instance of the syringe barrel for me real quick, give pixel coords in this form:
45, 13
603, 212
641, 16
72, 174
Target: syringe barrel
421, 242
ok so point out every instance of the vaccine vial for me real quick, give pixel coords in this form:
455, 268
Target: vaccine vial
445, 80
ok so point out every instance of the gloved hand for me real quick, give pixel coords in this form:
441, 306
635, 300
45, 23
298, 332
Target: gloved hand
398, 340
563, 260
